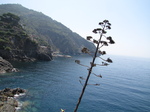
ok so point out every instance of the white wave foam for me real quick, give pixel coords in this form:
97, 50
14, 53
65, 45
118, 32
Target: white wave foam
17, 95
19, 106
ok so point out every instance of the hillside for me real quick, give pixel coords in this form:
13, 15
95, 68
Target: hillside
16, 44
47, 31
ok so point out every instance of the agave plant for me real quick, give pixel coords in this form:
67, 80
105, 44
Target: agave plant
101, 42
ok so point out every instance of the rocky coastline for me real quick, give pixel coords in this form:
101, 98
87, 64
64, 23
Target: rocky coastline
42, 53
6, 66
8, 103
17, 45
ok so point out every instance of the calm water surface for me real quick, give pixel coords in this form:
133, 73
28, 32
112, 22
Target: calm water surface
125, 86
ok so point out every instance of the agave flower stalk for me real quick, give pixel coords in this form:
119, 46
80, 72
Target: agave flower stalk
99, 44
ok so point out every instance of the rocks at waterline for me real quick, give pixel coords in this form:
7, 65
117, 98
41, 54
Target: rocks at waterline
5, 66
7, 101
11, 92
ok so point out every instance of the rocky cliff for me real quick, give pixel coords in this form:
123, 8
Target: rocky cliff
16, 44
47, 31
5, 66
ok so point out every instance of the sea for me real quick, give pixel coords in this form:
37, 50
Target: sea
57, 84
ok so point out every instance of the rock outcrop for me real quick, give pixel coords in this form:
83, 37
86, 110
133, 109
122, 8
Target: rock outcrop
47, 31
7, 101
16, 44
5, 66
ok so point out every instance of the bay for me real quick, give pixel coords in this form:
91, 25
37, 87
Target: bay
125, 86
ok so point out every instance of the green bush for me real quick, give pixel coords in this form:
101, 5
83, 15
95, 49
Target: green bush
9, 33
2, 32
7, 48
2, 40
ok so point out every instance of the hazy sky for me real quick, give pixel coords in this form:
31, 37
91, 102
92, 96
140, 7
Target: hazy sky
130, 20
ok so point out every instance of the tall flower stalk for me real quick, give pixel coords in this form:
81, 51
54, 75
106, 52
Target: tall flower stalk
105, 25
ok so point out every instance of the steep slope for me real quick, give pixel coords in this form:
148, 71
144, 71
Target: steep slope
5, 66
48, 31
16, 44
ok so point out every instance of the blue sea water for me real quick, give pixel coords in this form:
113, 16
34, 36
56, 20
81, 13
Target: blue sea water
125, 86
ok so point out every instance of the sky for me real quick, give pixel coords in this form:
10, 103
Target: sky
130, 20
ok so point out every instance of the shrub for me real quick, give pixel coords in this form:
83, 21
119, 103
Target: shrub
7, 48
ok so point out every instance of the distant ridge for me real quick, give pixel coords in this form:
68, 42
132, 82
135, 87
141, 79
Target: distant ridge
47, 31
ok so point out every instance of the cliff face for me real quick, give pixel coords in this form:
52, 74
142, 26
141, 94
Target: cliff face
47, 31
5, 66
15, 43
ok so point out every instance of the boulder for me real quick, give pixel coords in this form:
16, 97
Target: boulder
7, 102
9, 105
11, 92
5, 66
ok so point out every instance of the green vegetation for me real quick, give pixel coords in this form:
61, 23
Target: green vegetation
10, 18
10, 30
3, 41
14, 40
46, 31
7, 48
